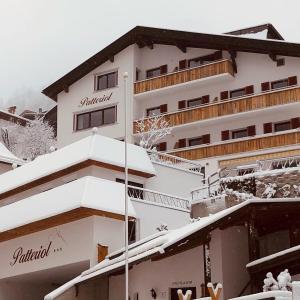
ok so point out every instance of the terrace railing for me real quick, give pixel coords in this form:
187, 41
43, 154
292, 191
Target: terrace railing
158, 198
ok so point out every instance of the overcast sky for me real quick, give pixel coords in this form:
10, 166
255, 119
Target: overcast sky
41, 40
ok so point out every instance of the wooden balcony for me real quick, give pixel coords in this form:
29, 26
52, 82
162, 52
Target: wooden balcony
229, 107
212, 69
261, 142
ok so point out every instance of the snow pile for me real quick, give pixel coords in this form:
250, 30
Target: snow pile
283, 283
95, 147
7, 157
260, 35
266, 295
88, 192
296, 290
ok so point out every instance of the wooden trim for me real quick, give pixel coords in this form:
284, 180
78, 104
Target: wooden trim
66, 217
229, 107
66, 171
102, 252
211, 69
240, 146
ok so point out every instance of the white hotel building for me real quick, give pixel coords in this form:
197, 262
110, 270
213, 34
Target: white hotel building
231, 99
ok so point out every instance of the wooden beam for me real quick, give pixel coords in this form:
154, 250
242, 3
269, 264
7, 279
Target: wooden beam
273, 56
112, 59
233, 55
181, 47
66, 89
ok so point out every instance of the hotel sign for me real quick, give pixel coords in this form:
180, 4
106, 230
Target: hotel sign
87, 101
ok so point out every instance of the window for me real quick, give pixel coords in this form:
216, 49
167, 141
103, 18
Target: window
106, 81
279, 84
240, 133
154, 111
280, 62
282, 126
153, 72
131, 231
195, 102
132, 192
237, 93
96, 118
198, 61
196, 141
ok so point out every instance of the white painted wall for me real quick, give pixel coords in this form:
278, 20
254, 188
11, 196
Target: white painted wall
151, 216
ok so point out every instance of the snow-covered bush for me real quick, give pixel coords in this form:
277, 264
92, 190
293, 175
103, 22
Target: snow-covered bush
36, 138
270, 190
152, 130
283, 282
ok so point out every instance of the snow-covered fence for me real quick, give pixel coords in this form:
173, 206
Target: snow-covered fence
175, 161
158, 198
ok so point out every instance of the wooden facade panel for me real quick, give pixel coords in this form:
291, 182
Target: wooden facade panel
218, 68
215, 110
233, 147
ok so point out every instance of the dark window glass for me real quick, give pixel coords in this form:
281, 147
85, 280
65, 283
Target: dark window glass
131, 231
132, 192
96, 118
109, 115
106, 81
282, 126
195, 102
236, 134
83, 121
195, 63
154, 111
153, 72
196, 141
237, 93
279, 84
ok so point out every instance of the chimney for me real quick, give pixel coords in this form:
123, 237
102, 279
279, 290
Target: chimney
12, 109
40, 110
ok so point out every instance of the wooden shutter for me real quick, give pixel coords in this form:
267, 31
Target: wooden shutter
181, 104
205, 99
206, 138
225, 135
295, 123
181, 143
162, 146
182, 64
224, 95
249, 89
163, 69
251, 130
292, 80
164, 108
265, 86
102, 252
268, 128
218, 55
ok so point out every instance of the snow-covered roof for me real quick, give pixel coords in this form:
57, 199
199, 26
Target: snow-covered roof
155, 245
7, 157
107, 151
273, 256
87, 192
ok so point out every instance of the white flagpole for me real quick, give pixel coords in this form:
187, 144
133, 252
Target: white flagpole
125, 76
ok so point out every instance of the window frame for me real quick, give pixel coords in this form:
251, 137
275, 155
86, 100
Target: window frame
98, 76
193, 100
89, 113
195, 139
282, 123
151, 70
151, 109
278, 81
237, 90
235, 131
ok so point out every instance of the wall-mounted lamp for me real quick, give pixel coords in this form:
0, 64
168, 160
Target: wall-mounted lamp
153, 293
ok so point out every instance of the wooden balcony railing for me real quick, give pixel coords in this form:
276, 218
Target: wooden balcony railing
212, 69
239, 146
228, 107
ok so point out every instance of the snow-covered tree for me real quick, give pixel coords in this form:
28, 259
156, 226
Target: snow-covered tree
28, 142
152, 130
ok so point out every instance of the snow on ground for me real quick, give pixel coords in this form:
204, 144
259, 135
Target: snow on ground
94, 147
266, 295
88, 192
